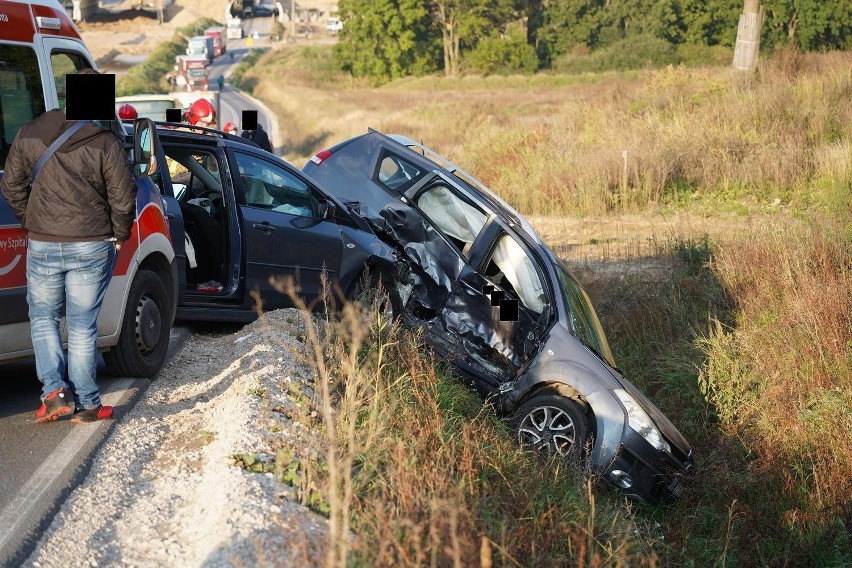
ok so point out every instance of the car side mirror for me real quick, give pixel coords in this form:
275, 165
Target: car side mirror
145, 144
327, 209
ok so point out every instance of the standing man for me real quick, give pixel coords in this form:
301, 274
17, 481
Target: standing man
78, 213
259, 137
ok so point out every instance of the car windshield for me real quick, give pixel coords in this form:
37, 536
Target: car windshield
587, 326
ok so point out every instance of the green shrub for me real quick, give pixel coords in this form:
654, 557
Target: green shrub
503, 55
632, 53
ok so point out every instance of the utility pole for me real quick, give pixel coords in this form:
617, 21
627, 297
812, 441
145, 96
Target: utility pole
748, 37
292, 20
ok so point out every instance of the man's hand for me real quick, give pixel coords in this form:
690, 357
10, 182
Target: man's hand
118, 245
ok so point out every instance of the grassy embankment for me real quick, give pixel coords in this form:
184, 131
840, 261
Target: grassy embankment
736, 321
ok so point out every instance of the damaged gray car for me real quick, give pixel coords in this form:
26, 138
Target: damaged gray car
492, 298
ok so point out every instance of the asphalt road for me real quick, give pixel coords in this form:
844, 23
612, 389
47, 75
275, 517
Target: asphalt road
41, 463
231, 102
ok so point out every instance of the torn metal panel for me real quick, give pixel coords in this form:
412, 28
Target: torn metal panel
447, 293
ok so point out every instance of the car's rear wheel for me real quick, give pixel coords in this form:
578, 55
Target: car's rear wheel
144, 337
552, 425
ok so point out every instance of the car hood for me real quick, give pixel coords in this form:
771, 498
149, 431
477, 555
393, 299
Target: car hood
671, 433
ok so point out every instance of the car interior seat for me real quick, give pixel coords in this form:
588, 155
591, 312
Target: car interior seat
208, 240
256, 193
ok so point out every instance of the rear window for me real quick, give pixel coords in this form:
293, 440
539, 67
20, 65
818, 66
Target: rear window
21, 93
397, 173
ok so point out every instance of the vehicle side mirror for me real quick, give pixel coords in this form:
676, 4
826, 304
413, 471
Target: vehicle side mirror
327, 209
145, 144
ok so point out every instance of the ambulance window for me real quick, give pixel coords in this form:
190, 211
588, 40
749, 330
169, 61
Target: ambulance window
21, 94
64, 63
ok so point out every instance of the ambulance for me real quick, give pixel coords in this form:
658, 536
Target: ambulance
39, 45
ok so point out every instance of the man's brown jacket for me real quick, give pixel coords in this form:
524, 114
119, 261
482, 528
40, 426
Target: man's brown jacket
84, 192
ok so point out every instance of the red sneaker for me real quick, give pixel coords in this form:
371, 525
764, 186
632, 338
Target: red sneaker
92, 414
56, 404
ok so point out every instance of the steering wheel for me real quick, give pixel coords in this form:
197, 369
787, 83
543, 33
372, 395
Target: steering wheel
215, 198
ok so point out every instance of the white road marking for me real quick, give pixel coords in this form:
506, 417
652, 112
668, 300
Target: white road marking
29, 497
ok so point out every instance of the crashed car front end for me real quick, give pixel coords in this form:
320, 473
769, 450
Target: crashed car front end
629, 450
636, 448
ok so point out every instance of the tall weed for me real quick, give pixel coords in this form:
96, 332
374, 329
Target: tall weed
422, 473
781, 375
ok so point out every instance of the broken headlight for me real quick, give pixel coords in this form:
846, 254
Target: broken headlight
639, 421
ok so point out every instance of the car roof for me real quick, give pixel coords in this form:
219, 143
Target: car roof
180, 130
441, 162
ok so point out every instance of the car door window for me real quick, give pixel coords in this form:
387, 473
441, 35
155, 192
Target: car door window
455, 217
193, 172
21, 94
268, 186
65, 63
397, 173
512, 269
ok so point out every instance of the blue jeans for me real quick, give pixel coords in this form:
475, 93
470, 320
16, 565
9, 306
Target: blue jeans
74, 275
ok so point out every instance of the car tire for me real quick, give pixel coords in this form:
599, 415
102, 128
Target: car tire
553, 425
144, 337
374, 286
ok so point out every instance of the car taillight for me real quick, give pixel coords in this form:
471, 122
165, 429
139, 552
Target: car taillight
320, 157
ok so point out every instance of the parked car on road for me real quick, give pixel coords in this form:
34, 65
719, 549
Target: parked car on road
492, 298
262, 11
240, 216
150, 106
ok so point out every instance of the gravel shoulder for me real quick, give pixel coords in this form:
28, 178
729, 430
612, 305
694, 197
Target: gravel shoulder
165, 489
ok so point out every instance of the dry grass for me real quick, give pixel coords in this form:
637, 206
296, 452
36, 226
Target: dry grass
421, 473
550, 145
745, 341
732, 313
780, 375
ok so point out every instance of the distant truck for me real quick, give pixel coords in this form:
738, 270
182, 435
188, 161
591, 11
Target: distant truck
220, 39
201, 46
191, 72
234, 28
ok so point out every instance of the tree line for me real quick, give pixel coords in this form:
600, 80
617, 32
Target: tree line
389, 39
